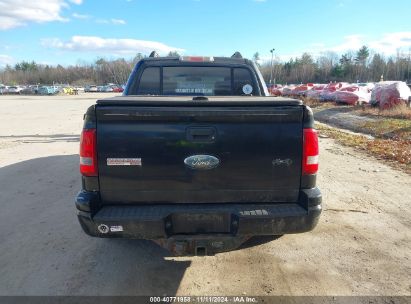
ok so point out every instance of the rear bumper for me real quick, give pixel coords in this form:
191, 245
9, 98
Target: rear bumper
187, 220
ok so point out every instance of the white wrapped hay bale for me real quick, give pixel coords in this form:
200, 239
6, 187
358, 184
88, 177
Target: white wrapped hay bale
389, 94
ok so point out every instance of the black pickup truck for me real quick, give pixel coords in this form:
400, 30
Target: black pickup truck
196, 156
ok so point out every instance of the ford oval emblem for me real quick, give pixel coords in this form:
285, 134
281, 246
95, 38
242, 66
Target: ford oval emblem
201, 162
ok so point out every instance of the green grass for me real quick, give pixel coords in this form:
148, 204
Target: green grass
393, 128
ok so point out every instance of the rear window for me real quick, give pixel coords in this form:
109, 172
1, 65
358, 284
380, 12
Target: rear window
149, 82
196, 81
242, 82
206, 81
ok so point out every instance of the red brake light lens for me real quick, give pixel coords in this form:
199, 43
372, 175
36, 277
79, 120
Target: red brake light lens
310, 152
88, 152
197, 58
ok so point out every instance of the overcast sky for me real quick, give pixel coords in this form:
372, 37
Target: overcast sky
72, 31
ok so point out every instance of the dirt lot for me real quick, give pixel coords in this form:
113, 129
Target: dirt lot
362, 245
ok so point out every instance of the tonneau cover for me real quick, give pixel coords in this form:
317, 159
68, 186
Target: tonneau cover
189, 101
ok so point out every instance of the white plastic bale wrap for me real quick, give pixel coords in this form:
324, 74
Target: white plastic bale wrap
388, 94
315, 92
352, 95
370, 86
328, 93
288, 89
301, 89
276, 90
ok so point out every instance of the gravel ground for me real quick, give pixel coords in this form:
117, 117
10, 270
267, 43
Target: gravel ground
361, 246
341, 117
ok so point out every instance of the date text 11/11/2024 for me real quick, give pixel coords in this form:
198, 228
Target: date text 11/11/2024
203, 299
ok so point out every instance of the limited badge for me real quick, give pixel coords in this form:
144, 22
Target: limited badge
116, 228
123, 161
247, 89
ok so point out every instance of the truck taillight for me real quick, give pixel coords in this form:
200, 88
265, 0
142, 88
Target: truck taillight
310, 152
88, 152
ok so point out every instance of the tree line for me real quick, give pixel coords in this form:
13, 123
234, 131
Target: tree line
101, 71
362, 65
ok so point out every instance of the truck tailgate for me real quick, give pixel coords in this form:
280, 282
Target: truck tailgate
143, 152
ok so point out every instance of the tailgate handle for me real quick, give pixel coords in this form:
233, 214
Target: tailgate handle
201, 134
